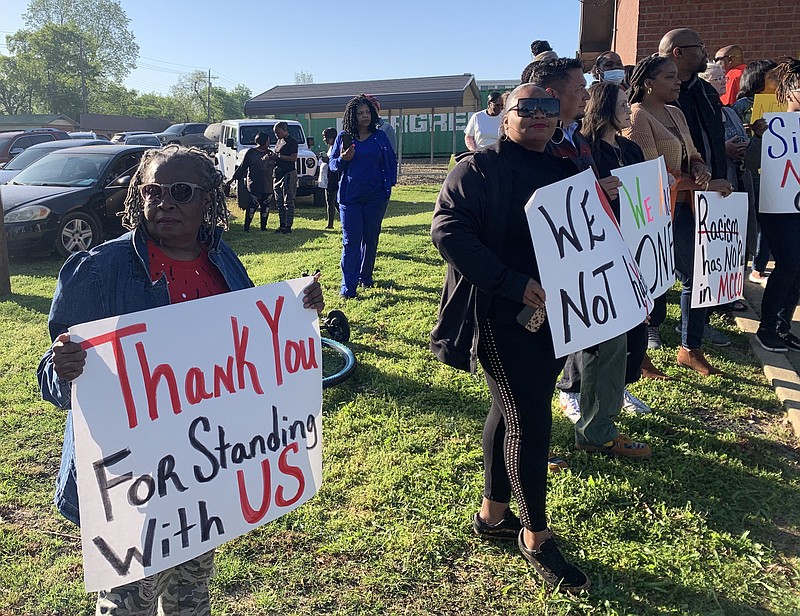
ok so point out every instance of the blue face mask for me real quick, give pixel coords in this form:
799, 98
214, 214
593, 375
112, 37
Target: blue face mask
615, 75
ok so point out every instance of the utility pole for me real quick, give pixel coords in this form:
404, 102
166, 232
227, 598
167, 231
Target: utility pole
208, 97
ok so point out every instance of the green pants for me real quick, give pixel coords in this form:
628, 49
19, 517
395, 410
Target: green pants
178, 591
602, 386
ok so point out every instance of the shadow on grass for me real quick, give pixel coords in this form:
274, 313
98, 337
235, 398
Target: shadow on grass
34, 303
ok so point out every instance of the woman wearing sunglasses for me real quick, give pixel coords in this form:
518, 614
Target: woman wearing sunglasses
176, 213
480, 228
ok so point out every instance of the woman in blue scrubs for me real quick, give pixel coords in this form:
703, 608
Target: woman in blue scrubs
367, 166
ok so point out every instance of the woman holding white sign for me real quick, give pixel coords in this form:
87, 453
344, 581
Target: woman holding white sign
176, 212
608, 113
480, 228
782, 231
660, 129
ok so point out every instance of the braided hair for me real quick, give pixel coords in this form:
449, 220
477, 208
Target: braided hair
350, 118
788, 75
648, 68
217, 213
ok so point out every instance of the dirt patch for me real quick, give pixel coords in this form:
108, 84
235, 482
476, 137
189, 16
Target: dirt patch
417, 171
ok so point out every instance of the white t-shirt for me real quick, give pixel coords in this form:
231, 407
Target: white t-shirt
484, 128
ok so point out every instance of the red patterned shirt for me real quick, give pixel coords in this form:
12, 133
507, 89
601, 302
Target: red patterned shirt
186, 280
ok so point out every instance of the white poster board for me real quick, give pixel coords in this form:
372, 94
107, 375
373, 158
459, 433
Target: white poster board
720, 228
645, 217
780, 165
194, 423
594, 289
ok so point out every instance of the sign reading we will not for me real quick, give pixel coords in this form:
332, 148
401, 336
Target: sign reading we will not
593, 285
194, 423
780, 165
720, 225
646, 221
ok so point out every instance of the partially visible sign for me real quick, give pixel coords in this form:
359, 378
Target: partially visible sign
194, 423
780, 165
720, 225
763, 104
645, 217
593, 286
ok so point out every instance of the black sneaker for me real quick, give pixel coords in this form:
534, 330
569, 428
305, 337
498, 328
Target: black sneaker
771, 341
791, 341
551, 566
507, 528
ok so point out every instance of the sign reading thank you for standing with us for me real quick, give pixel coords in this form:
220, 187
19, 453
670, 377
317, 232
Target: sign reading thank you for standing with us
194, 423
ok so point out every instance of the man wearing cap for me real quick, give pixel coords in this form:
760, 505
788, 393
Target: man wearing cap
483, 128
383, 124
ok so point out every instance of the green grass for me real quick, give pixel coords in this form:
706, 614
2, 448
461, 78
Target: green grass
709, 526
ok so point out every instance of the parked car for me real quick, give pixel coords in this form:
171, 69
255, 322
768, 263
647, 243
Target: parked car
120, 137
10, 170
69, 199
238, 136
15, 142
187, 134
142, 140
86, 134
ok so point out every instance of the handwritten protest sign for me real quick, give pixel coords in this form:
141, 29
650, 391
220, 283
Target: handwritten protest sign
780, 165
194, 423
593, 286
645, 218
763, 104
719, 250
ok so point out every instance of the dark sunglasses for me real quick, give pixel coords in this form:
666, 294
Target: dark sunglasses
179, 192
721, 58
700, 45
527, 107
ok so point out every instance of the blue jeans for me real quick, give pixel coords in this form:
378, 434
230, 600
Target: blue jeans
783, 286
693, 320
361, 228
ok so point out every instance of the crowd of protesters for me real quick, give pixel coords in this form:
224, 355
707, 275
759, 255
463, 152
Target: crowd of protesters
675, 104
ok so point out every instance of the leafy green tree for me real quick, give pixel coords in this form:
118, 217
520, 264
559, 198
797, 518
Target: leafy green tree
103, 22
58, 66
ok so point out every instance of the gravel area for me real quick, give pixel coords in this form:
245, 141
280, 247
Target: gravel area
416, 171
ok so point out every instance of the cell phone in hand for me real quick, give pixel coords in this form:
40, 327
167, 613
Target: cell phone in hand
532, 318
347, 141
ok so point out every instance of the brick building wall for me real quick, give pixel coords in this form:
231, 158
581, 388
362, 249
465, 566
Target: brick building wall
762, 28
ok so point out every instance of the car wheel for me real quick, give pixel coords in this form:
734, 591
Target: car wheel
77, 231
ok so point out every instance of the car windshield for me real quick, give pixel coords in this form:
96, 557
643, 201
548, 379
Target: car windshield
28, 157
143, 140
247, 134
69, 169
175, 128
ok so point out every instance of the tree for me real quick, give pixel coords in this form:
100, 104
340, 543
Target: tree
303, 77
57, 65
103, 22
16, 90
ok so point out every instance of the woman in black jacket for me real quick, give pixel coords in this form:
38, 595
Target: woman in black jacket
608, 113
480, 228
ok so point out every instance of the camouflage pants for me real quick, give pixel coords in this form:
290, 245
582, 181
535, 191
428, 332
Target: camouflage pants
179, 591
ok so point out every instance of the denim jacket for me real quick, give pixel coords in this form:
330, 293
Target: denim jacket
110, 280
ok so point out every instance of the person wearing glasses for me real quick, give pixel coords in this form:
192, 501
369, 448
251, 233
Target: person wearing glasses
592, 387
731, 60
483, 128
176, 212
480, 229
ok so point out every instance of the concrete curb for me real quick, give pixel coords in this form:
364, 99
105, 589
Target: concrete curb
779, 371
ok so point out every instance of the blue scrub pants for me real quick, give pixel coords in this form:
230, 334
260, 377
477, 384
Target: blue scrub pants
361, 227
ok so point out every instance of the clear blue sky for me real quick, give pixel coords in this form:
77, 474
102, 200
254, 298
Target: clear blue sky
367, 40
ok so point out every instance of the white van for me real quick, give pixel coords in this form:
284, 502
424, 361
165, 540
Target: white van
238, 136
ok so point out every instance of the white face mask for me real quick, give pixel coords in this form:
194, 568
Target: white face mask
615, 75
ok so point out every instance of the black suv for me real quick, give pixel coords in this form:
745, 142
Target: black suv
13, 142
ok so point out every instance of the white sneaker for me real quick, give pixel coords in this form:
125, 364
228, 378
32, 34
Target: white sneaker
570, 405
633, 404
